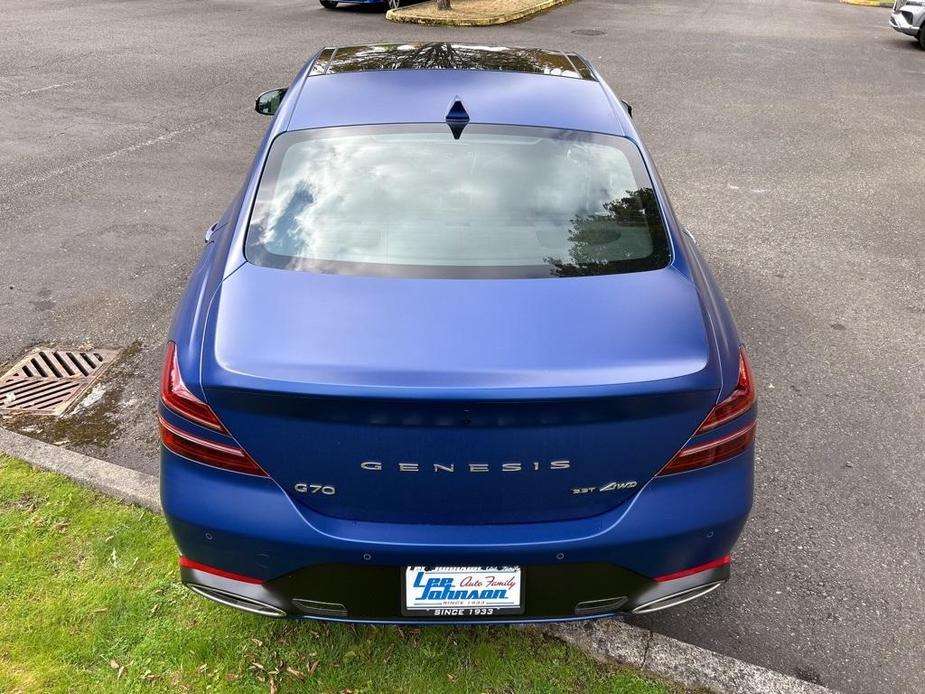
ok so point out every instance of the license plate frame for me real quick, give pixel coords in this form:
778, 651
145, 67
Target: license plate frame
492, 578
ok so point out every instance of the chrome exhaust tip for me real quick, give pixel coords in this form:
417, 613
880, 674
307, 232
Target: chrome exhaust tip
318, 608
602, 606
678, 598
223, 597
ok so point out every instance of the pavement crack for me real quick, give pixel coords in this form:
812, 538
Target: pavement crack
114, 154
48, 88
645, 654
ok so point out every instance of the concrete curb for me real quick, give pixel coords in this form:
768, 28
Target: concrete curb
615, 642
610, 641
408, 16
113, 480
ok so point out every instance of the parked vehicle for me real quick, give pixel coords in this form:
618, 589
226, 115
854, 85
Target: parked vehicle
391, 4
909, 18
450, 356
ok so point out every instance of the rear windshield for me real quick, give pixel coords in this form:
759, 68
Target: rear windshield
413, 201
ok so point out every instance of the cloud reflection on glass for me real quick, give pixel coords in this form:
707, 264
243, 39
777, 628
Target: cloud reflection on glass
415, 202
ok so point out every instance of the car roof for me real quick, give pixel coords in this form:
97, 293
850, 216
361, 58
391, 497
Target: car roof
418, 83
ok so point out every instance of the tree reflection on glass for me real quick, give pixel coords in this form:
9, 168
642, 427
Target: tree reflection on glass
620, 233
450, 56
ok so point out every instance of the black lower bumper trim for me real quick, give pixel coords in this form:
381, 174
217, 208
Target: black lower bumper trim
373, 593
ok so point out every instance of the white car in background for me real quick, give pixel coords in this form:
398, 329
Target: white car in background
909, 18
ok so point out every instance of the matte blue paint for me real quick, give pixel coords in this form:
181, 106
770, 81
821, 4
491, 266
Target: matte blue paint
257, 530
457, 338
316, 373
631, 380
424, 96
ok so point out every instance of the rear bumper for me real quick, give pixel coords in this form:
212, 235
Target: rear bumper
372, 594
249, 526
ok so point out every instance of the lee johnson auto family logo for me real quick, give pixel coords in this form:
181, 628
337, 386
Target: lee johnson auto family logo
469, 588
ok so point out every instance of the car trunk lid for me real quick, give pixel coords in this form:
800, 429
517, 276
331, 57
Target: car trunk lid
459, 401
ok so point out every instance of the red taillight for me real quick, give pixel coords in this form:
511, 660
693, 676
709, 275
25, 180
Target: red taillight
739, 401
190, 564
200, 450
179, 399
716, 563
693, 457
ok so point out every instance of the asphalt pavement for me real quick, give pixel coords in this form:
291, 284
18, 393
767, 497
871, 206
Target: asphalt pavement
790, 134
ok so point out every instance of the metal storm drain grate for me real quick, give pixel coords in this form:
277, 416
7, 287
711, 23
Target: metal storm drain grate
48, 381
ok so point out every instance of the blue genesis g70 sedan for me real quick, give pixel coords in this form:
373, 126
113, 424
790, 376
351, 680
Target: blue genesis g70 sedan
448, 356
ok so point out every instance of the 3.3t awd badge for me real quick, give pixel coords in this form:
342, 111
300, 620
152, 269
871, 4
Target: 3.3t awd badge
609, 487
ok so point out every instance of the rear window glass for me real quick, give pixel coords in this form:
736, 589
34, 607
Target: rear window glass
499, 202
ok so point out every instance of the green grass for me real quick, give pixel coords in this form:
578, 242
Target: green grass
90, 601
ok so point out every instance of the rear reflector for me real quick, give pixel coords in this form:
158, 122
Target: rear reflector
178, 398
739, 401
693, 457
716, 563
219, 455
190, 564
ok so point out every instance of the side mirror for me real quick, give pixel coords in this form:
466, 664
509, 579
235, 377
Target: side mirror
629, 109
268, 103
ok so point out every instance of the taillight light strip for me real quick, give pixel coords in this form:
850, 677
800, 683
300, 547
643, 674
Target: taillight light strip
712, 452
201, 450
178, 399
739, 402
